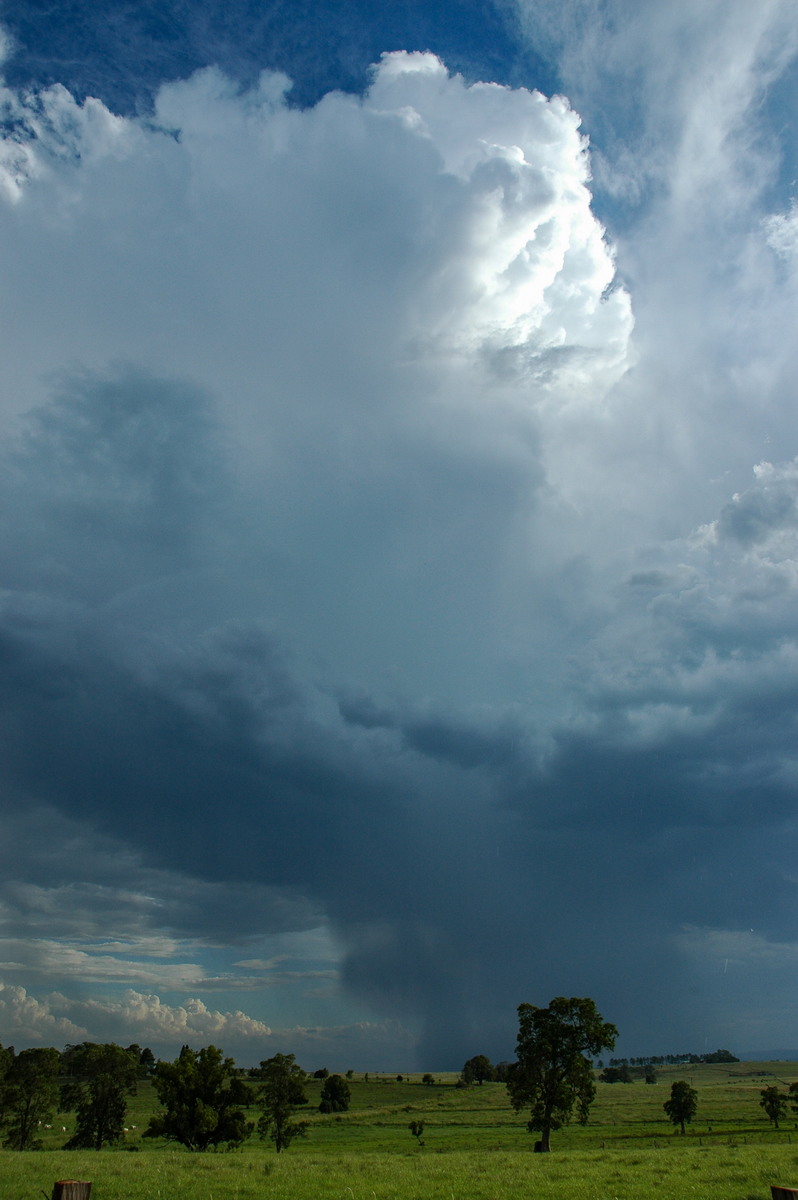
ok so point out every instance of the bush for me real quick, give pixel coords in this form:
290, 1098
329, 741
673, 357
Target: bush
335, 1095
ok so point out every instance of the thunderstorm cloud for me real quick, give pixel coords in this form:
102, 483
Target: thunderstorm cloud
399, 534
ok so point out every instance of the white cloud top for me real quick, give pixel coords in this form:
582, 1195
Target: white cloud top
461, 212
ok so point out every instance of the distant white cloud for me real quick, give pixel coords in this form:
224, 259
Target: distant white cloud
148, 1017
137, 1016
781, 230
144, 1018
23, 1016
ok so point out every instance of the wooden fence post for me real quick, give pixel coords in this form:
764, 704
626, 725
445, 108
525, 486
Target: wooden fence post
71, 1189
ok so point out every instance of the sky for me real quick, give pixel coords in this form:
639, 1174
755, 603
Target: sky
398, 524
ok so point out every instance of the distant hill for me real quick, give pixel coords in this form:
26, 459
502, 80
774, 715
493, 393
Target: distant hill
790, 1055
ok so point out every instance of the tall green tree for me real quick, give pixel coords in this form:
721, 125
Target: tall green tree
477, 1070
335, 1095
28, 1096
102, 1077
6, 1059
775, 1103
792, 1095
553, 1073
202, 1099
281, 1091
145, 1059
682, 1106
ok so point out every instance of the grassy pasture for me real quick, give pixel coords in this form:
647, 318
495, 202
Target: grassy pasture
475, 1148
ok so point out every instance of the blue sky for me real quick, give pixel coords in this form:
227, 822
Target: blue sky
399, 525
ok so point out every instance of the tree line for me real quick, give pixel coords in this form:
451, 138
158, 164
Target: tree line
662, 1060
89, 1079
203, 1096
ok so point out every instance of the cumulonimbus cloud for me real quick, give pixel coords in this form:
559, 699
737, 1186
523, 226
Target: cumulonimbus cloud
349, 570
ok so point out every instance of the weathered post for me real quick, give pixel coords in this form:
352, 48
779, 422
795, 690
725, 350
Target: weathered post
783, 1193
71, 1189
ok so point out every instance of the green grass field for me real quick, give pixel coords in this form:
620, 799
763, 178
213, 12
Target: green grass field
475, 1148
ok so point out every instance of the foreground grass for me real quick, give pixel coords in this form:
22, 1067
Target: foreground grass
674, 1172
475, 1148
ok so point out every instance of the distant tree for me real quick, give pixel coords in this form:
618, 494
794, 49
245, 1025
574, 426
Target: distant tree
145, 1059
350, 1073
793, 1097
417, 1129
102, 1076
554, 1072
775, 1103
6, 1059
477, 1069
720, 1056
681, 1107
28, 1096
651, 1075
335, 1095
202, 1100
281, 1091
322, 1073
400, 1078
427, 1079
616, 1075
501, 1071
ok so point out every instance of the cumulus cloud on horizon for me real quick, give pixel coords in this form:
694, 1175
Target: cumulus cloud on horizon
145, 1019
